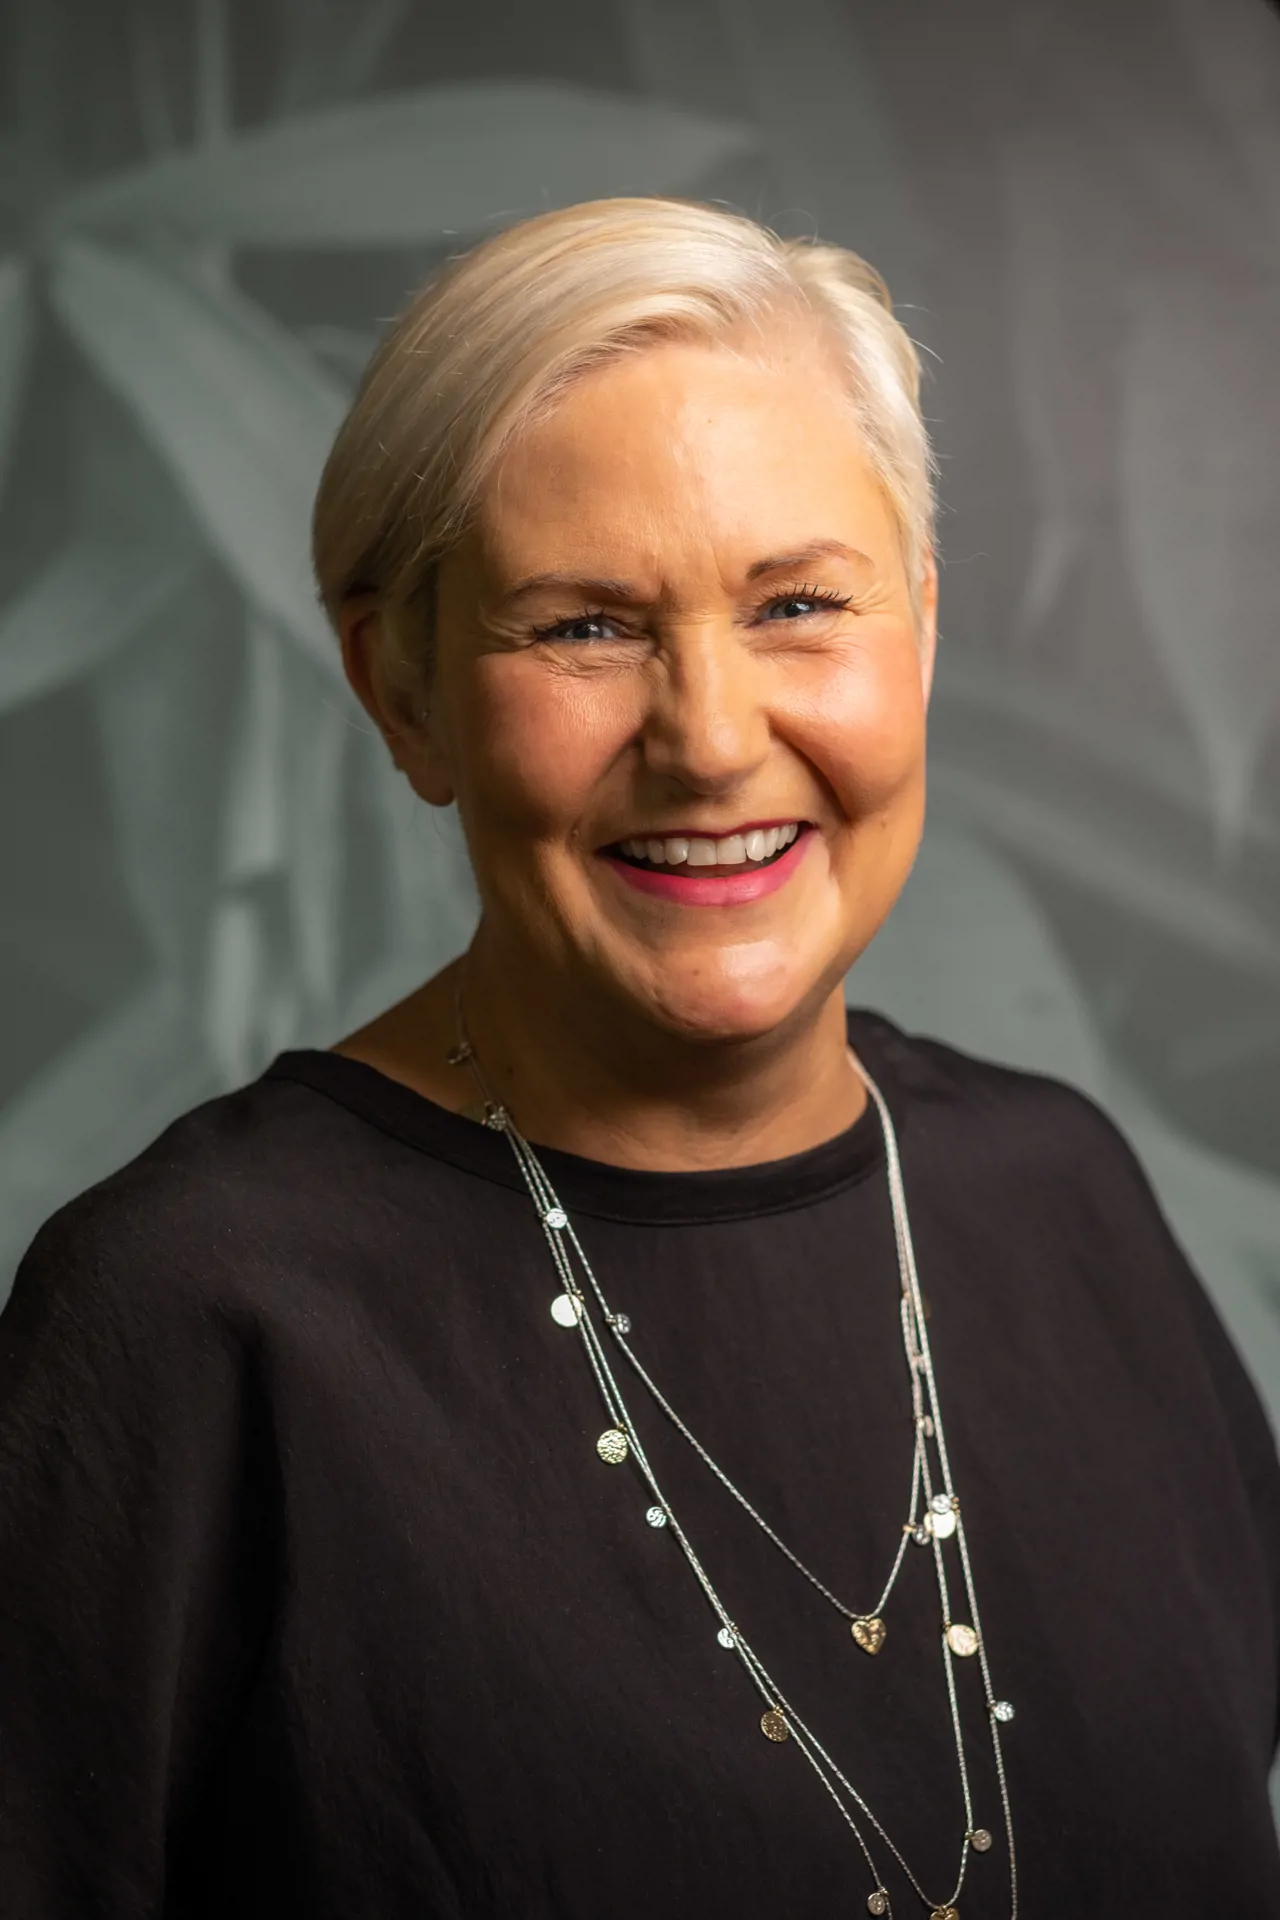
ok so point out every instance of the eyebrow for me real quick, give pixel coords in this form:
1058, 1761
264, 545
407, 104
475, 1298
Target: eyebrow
627, 590
816, 550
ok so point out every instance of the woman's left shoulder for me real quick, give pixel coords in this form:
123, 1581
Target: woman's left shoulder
977, 1108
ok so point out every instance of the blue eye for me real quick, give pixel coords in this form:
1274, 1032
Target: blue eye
563, 629
807, 599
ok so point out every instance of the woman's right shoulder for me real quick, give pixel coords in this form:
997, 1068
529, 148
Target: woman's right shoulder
237, 1193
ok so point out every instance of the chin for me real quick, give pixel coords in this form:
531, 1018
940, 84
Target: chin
725, 1009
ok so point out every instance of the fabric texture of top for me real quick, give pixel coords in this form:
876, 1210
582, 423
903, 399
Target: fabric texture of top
317, 1600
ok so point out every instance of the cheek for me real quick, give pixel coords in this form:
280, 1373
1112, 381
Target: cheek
863, 727
537, 744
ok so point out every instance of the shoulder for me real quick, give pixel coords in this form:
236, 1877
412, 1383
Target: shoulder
1046, 1164
978, 1112
198, 1228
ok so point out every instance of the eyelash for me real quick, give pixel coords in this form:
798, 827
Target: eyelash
819, 596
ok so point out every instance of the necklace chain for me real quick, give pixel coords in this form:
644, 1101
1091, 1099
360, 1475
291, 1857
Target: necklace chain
562, 1239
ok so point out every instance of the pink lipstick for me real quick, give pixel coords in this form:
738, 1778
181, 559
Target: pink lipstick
712, 886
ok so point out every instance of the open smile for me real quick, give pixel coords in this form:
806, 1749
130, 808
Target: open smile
705, 871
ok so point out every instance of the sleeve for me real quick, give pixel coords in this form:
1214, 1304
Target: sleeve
1250, 1427
135, 1552
1253, 1440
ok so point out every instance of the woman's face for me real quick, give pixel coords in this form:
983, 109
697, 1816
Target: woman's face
679, 694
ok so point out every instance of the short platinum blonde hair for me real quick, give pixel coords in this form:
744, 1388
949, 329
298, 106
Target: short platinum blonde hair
500, 332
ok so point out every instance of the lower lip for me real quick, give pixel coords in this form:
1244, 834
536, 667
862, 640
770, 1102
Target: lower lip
695, 889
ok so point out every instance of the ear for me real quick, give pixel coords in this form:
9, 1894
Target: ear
928, 623
393, 696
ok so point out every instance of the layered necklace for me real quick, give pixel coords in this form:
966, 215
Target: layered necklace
934, 1516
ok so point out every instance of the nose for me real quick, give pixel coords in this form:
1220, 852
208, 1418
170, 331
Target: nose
707, 727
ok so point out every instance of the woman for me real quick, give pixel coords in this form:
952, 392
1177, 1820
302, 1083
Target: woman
506, 1464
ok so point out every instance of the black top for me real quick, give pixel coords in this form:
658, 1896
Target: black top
316, 1598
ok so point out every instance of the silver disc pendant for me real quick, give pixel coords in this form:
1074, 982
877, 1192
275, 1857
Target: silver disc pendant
727, 1638
612, 1446
878, 1902
1002, 1710
942, 1525
962, 1639
980, 1840
656, 1516
565, 1310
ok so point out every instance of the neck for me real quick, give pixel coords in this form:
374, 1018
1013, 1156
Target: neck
584, 1078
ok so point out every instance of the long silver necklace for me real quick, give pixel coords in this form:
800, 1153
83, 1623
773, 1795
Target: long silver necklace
941, 1521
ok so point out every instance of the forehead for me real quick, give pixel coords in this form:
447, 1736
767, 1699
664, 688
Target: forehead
685, 449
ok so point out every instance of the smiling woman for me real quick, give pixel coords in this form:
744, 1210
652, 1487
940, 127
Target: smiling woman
682, 590
515, 1479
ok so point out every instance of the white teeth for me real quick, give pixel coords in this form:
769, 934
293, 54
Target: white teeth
735, 848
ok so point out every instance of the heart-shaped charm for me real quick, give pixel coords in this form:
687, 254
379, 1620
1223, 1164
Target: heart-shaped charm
945, 1913
869, 1634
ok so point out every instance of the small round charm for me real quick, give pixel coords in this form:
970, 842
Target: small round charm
980, 1840
555, 1217
1002, 1709
656, 1516
565, 1310
496, 1116
726, 1637
925, 1425
878, 1902
622, 1323
773, 1724
869, 1633
459, 1055
612, 1446
919, 1535
942, 1525
962, 1639
940, 1503
945, 1913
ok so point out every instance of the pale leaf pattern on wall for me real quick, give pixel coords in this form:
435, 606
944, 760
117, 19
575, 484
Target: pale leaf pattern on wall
91, 598
240, 412
1238, 75
15, 339
1200, 428
333, 47
165, 708
398, 170
318, 735
1062, 351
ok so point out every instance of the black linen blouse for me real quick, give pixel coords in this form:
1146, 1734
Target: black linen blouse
316, 1598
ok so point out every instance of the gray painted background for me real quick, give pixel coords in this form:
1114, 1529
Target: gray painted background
206, 212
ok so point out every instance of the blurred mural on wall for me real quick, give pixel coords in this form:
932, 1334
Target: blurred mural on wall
208, 208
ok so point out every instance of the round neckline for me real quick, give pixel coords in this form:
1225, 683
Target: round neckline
641, 1196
